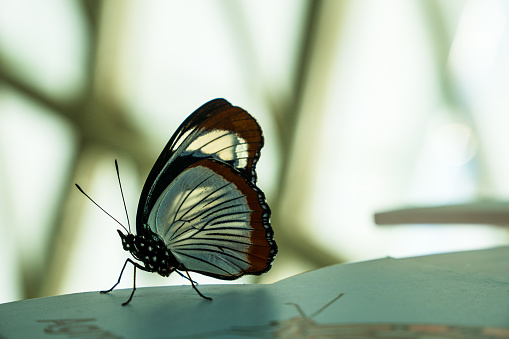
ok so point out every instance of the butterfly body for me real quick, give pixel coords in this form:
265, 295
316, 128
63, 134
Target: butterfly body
151, 251
200, 209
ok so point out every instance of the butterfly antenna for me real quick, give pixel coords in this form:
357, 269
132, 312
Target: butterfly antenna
102, 209
122, 192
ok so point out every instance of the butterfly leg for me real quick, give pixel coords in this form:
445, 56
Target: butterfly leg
183, 276
136, 265
192, 284
120, 277
134, 289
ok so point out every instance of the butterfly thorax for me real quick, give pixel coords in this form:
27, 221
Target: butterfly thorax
151, 251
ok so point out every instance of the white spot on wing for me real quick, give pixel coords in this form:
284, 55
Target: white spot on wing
181, 139
227, 146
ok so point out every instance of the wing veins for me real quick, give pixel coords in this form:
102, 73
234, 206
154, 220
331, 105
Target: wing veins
216, 240
197, 216
226, 240
208, 195
218, 252
214, 229
178, 209
214, 265
220, 209
224, 215
202, 229
222, 253
221, 196
211, 210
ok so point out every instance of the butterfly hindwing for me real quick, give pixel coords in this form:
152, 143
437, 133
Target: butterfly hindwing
215, 221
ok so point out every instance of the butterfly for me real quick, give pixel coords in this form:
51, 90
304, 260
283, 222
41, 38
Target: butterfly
200, 209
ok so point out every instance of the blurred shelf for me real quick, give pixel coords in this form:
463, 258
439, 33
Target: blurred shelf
483, 212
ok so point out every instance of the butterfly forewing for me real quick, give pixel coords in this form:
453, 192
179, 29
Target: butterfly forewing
217, 130
230, 135
215, 221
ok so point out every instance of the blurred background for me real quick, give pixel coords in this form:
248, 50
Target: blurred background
365, 105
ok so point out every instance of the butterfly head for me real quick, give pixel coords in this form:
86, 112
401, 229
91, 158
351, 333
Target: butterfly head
127, 240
